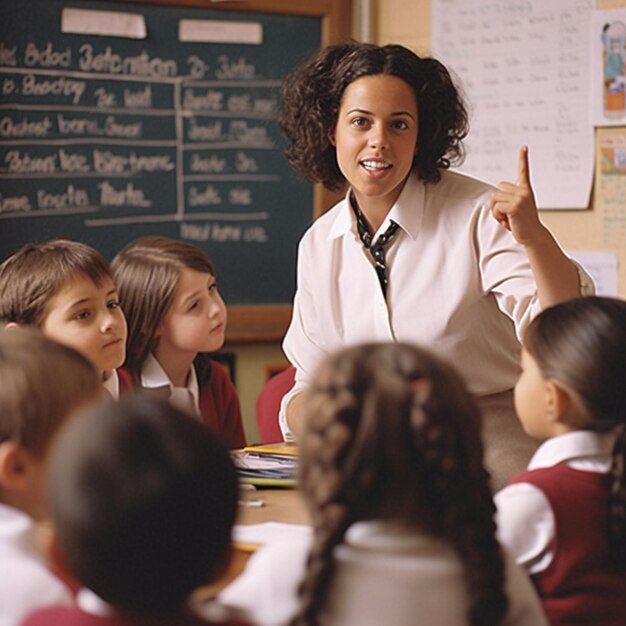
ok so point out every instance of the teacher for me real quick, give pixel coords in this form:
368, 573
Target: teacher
414, 252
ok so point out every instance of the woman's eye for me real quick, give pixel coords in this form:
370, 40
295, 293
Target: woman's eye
359, 121
400, 125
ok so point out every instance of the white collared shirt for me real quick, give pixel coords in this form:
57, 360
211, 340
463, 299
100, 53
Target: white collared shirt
26, 583
459, 284
187, 398
525, 518
111, 383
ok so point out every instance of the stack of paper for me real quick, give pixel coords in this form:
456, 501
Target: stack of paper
267, 464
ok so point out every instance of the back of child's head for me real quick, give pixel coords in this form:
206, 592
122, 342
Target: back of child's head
146, 274
391, 433
32, 276
581, 345
41, 383
143, 499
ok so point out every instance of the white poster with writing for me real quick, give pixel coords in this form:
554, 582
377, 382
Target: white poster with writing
524, 68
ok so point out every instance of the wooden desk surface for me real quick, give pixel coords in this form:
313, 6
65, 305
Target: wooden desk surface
279, 505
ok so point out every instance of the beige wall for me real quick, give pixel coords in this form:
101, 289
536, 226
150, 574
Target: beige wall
408, 22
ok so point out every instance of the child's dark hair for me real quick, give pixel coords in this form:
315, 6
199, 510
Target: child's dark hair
581, 344
311, 98
41, 383
146, 274
391, 433
143, 499
32, 276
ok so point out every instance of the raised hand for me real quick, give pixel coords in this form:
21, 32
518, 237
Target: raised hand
513, 204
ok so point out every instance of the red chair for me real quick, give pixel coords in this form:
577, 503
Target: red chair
268, 404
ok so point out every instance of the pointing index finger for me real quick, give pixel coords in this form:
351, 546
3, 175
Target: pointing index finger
523, 172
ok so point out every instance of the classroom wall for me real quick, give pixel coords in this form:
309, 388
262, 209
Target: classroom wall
408, 22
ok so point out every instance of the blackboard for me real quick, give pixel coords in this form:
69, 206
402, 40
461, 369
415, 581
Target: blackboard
107, 138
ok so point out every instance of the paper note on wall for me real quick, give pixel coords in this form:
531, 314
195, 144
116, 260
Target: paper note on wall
608, 67
524, 67
611, 185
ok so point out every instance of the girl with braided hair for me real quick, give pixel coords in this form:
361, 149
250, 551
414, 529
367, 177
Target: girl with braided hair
392, 473
564, 519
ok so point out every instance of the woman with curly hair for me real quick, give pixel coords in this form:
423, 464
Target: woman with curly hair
414, 252
391, 470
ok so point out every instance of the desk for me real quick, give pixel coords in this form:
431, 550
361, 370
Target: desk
280, 505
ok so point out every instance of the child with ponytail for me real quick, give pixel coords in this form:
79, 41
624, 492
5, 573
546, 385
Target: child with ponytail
564, 518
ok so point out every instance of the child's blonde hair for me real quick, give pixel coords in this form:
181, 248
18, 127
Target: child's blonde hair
41, 382
32, 276
391, 433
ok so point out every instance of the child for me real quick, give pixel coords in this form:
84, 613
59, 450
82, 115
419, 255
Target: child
175, 316
41, 384
564, 519
413, 252
391, 470
143, 499
65, 288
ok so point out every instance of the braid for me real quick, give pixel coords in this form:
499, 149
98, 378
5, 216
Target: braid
459, 497
322, 482
617, 502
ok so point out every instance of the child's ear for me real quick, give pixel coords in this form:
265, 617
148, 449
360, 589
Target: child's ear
11, 325
559, 403
14, 474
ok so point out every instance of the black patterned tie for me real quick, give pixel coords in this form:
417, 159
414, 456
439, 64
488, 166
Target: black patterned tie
377, 250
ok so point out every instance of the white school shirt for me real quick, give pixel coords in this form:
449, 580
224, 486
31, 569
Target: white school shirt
458, 283
385, 574
187, 398
111, 383
26, 583
525, 519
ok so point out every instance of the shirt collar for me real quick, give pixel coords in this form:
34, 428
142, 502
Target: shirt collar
407, 212
111, 383
576, 445
153, 376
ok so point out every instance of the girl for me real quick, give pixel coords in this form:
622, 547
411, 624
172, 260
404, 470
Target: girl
413, 252
392, 473
175, 316
564, 518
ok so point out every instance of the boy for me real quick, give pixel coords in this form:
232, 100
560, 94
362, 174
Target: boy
65, 288
34, 404
143, 498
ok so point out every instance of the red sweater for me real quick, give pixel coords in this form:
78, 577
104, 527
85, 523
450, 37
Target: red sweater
579, 586
219, 404
73, 616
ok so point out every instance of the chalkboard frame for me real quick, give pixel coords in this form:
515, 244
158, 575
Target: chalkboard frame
267, 323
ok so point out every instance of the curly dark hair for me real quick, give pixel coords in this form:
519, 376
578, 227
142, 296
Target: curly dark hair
311, 97
392, 434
